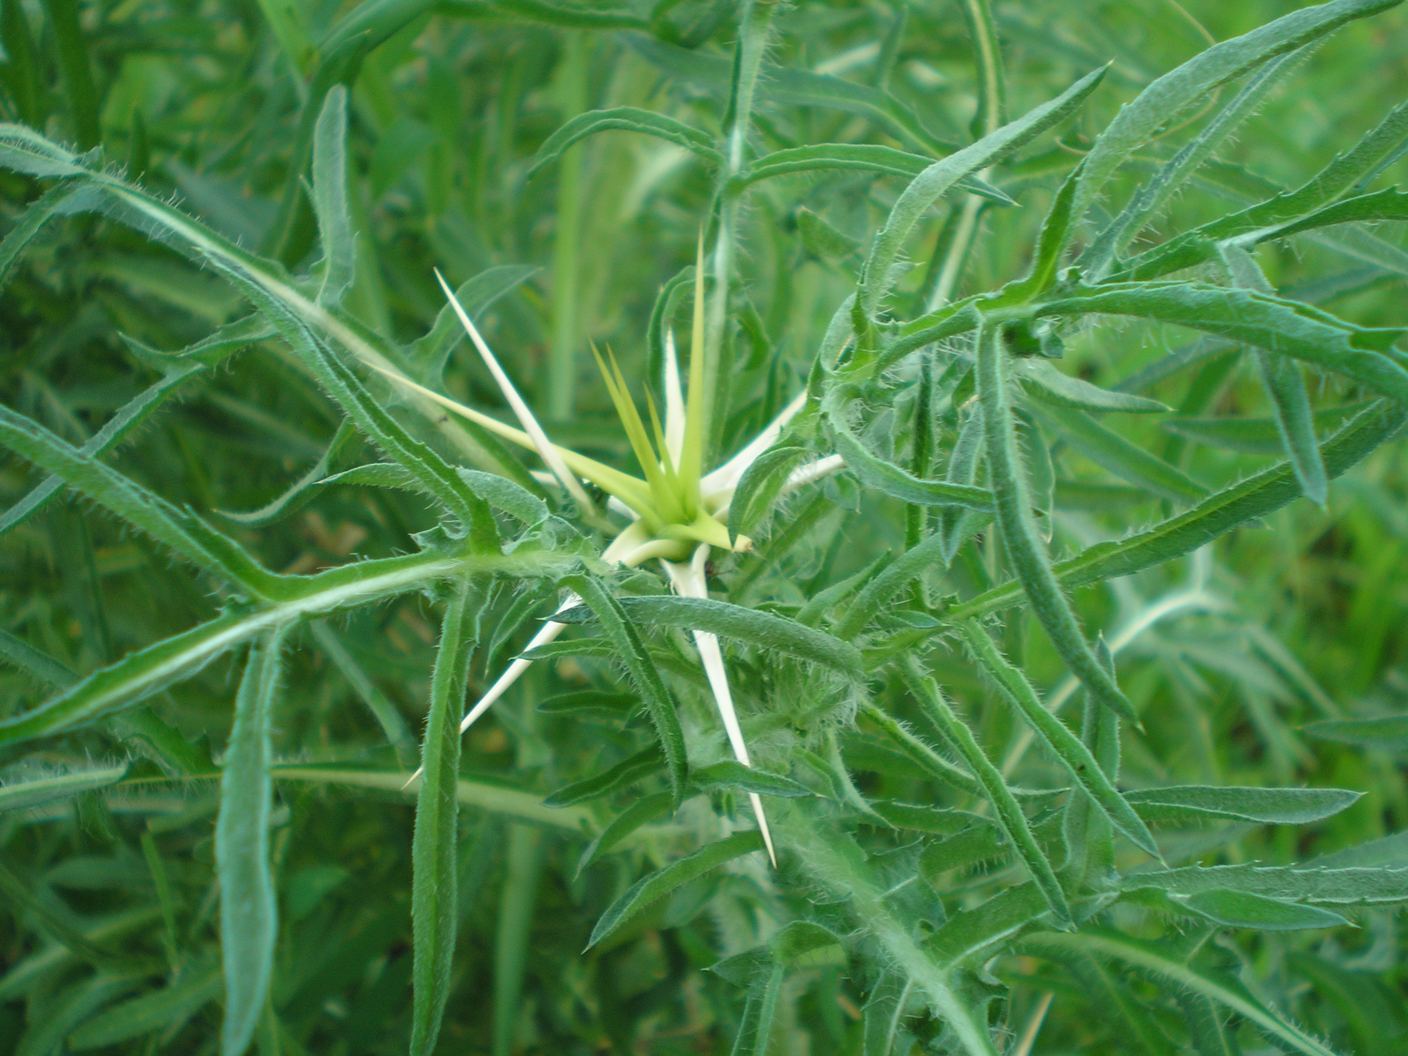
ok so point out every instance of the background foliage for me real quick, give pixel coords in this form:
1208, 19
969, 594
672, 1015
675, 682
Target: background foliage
356, 146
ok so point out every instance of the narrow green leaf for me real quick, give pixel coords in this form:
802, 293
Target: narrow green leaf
1389, 733
760, 486
1068, 749
75, 70
759, 1010
1285, 386
57, 201
877, 592
27, 151
434, 906
36, 791
38, 664
1175, 172
1028, 555
1181, 89
971, 933
164, 1009
148, 670
625, 119
650, 889
891, 479
629, 771
762, 630
1353, 886
181, 531
128, 418
330, 202
1282, 327
630, 650
640, 811
939, 178
1005, 806
797, 87
1284, 806
1218, 986
1269, 218
248, 911
730, 774
858, 157
1256, 435
1120, 456
1241, 909
1043, 380
1216, 515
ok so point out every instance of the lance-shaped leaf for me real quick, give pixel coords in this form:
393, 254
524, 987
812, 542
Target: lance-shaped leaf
1284, 806
1029, 558
1175, 172
625, 119
942, 176
763, 630
181, 531
248, 911
1276, 215
1153, 958
1285, 385
153, 668
1216, 515
1240, 909
1005, 806
635, 657
858, 157
1180, 89
1281, 327
330, 197
650, 889
883, 475
1068, 749
434, 907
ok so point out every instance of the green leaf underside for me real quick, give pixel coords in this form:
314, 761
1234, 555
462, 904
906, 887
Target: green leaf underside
650, 889
1026, 551
248, 909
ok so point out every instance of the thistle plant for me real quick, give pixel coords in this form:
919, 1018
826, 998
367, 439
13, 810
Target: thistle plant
677, 512
980, 632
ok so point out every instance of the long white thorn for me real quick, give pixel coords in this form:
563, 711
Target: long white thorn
689, 582
521, 410
674, 401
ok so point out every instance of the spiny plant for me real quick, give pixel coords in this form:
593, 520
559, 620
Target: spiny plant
962, 466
